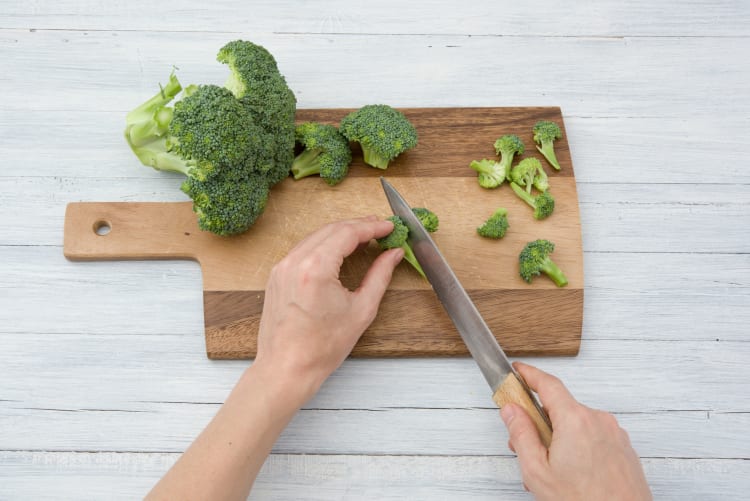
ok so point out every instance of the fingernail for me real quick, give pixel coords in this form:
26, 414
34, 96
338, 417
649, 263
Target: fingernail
398, 254
508, 412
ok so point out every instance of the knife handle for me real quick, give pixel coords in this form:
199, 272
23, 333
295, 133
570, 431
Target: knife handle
513, 391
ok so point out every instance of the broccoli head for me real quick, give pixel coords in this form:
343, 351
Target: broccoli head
534, 260
507, 147
398, 238
428, 218
326, 153
529, 172
545, 134
491, 173
543, 204
382, 132
496, 225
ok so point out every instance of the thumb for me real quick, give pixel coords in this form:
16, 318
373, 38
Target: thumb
373, 285
524, 439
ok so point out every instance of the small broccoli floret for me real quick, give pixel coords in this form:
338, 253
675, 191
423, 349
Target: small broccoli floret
496, 225
382, 132
326, 153
491, 173
534, 259
507, 147
545, 134
543, 204
397, 238
529, 172
428, 218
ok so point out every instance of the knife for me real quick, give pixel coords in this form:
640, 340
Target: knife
506, 384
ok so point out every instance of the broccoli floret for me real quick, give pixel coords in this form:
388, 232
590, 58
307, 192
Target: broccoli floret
543, 204
545, 134
529, 172
491, 173
382, 132
428, 218
397, 238
496, 225
326, 153
534, 259
507, 147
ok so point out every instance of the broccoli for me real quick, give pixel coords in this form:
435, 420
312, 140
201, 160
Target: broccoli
398, 237
507, 147
233, 143
326, 153
545, 134
543, 204
382, 132
428, 218
534, 259
529, 172
491, 173
496, 225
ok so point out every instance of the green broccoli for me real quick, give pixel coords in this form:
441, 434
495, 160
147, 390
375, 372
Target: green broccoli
491, 173
545, 134
428, 218
534, 259
232, 143
496, 226
543, 204
382, 132
507, 147
529, 172
397, 238
326, 153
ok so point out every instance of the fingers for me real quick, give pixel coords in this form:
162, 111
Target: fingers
555, 397
373, 286
525, 441
338, 240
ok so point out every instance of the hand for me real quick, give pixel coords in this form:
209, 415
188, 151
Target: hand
310, 321
590, 456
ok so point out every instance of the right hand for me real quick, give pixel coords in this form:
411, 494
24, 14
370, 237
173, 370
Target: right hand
590, 456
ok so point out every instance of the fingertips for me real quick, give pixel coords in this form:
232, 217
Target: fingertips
376, 281
553, 394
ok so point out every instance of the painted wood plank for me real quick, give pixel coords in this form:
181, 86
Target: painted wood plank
614, 217
604, 150
28, 475
584, 76
548, 17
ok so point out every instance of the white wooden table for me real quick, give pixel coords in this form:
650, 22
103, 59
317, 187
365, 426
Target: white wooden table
103, 375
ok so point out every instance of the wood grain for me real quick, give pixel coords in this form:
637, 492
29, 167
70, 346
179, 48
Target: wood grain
533, 319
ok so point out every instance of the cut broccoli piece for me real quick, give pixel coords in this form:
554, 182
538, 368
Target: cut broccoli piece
397, 238
491, 173
382, 132
543, 204
326, 153
507, 147
529, 172
545, 134
428, 218
534, 259
496, 226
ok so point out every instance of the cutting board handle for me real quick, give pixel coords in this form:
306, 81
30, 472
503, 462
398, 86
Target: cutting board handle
512, 390
130, 230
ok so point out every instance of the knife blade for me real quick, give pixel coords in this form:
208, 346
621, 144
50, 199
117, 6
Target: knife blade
506, 384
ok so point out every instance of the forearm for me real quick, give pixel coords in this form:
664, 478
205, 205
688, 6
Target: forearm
224, 460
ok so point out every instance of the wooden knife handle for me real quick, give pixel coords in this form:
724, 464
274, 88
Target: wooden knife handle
130, 230
513, 391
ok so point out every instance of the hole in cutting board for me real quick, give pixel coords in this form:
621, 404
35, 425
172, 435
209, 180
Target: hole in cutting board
102, 228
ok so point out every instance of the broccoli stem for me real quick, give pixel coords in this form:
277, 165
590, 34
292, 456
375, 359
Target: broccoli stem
505, 162
412, 259
373, 158
554, 272
307, 163
147, 110
523, 195
548, 151
156, 155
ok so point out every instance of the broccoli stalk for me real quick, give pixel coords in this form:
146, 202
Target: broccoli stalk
496, 226
382, 132
543, 204
529, 172
534, 259
507, 147
491, 174
326, 153
545, 134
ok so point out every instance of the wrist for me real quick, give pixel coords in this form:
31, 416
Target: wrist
289, 387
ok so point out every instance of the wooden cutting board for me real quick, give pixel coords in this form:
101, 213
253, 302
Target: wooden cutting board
528, 319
